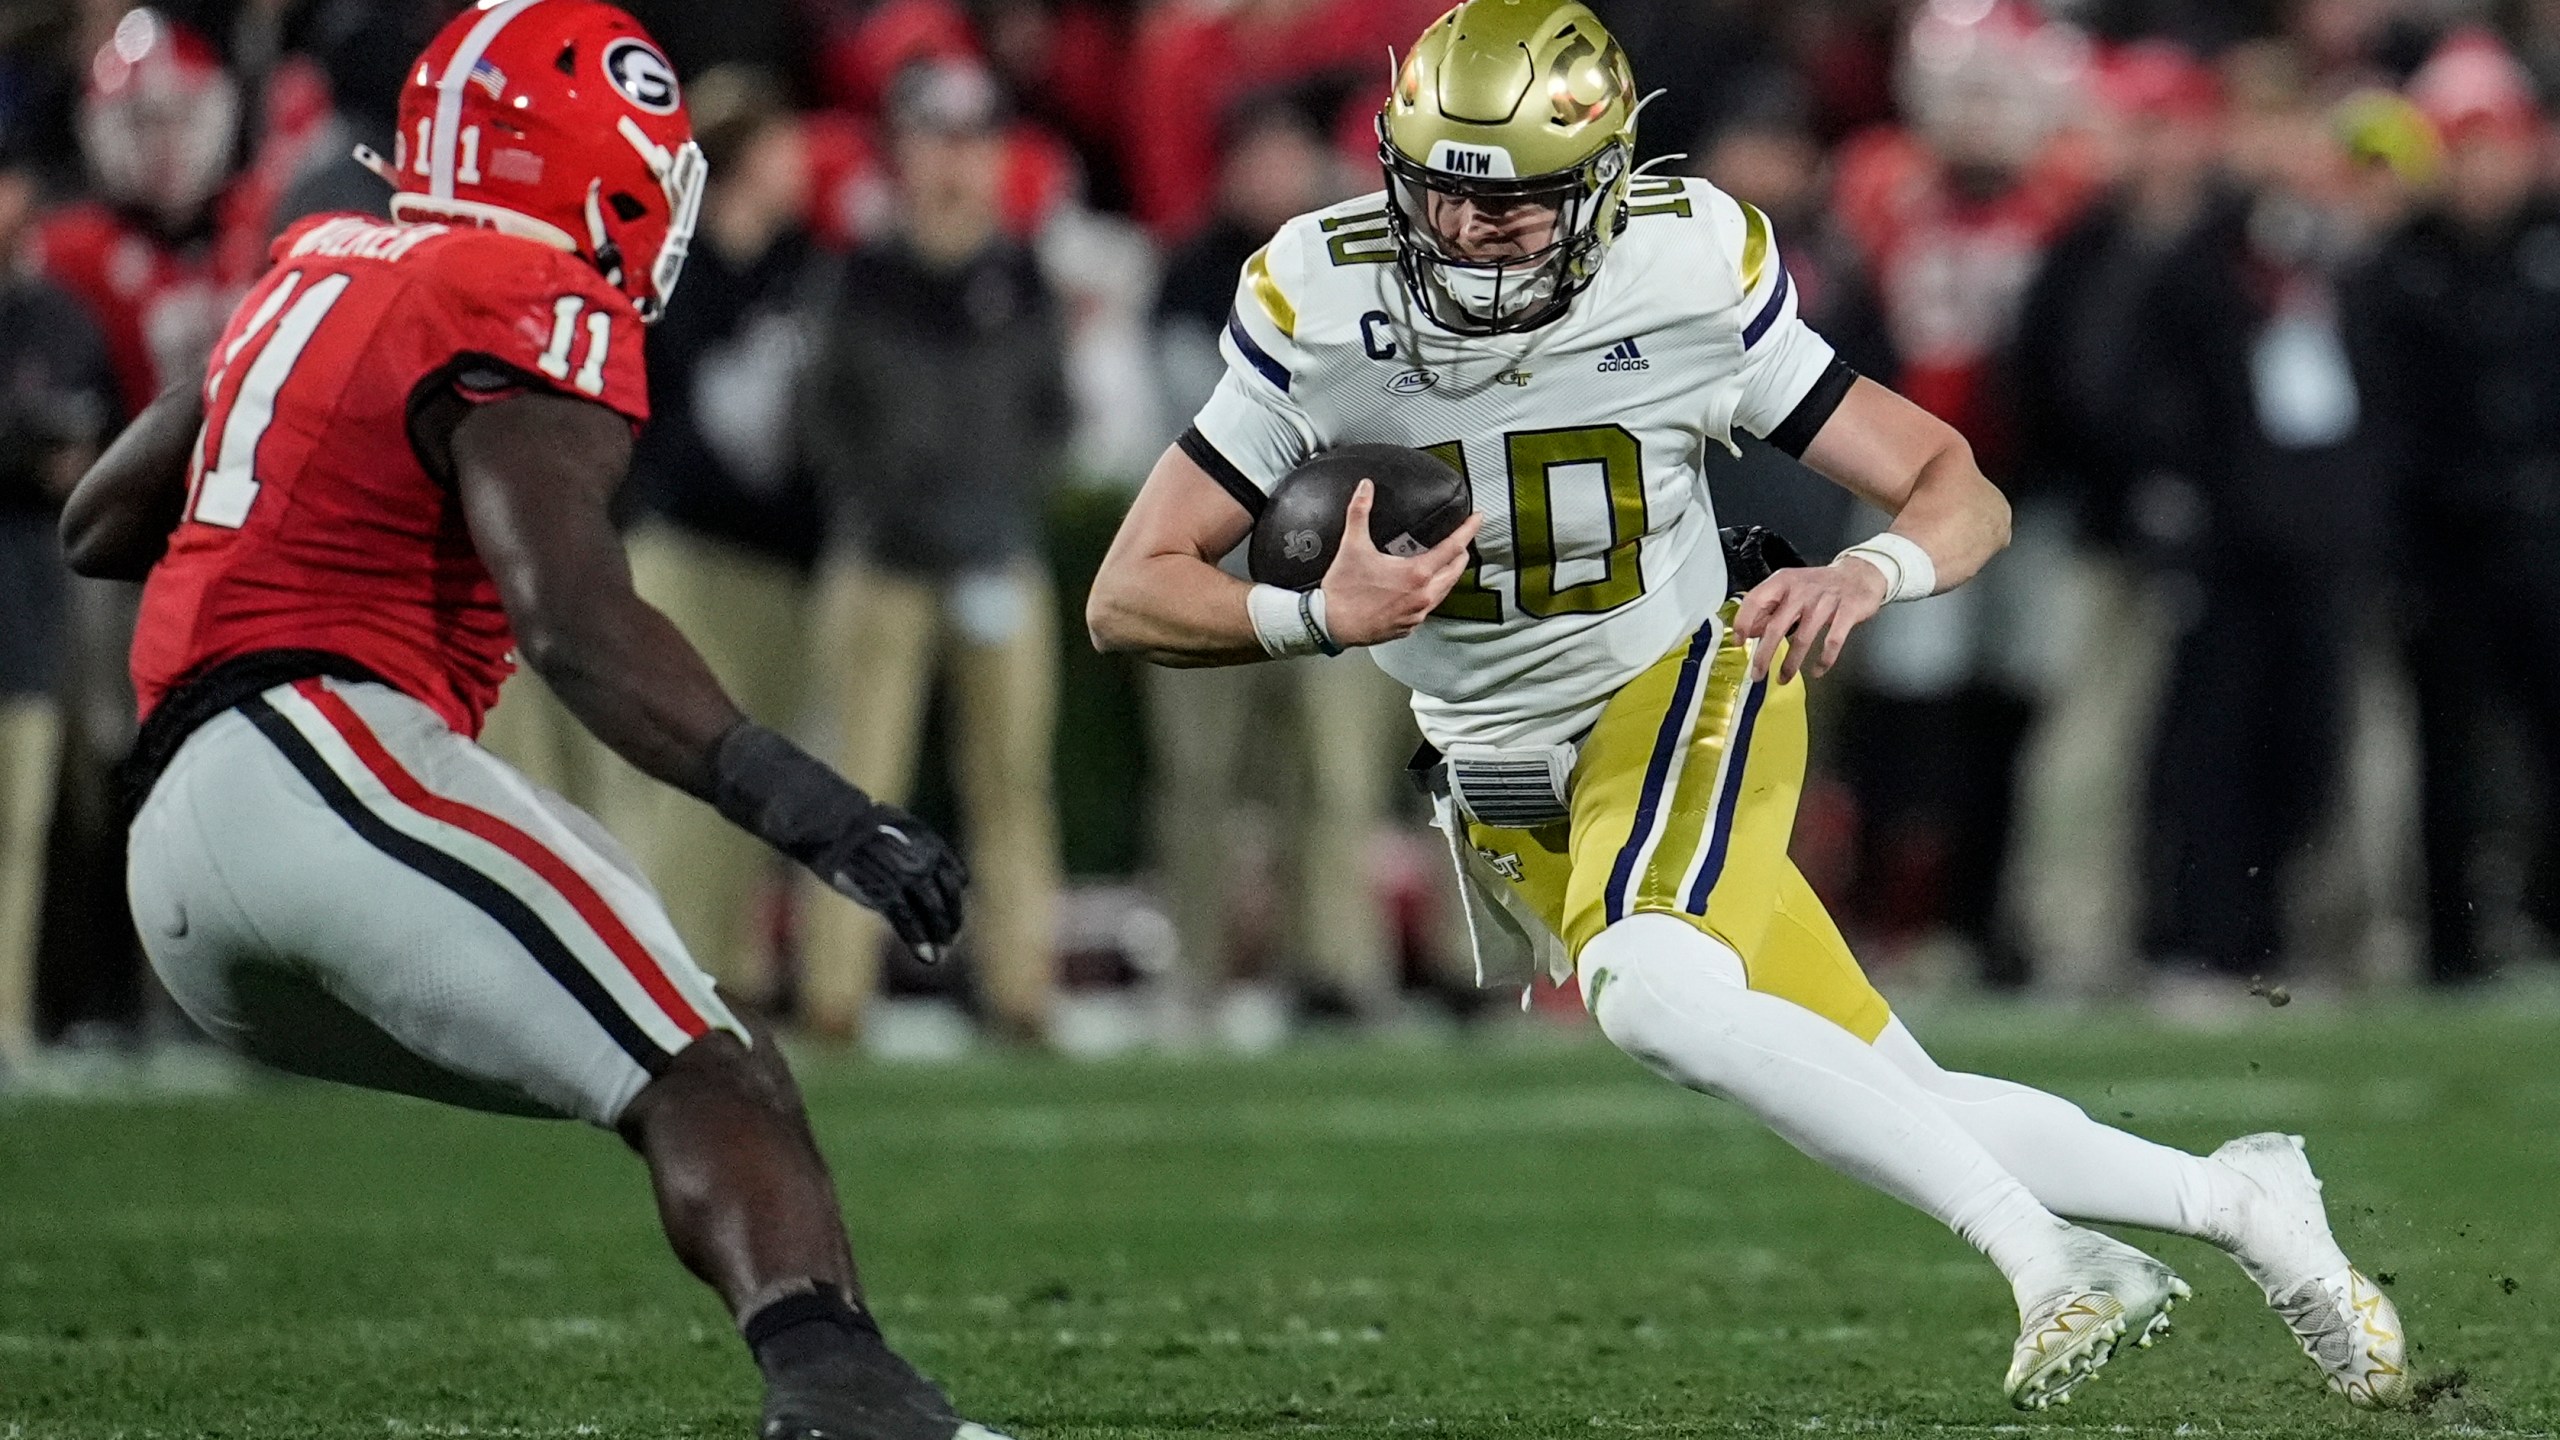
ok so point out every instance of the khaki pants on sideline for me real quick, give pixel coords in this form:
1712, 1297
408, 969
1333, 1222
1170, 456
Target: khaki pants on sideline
880, 640
1335, 733
747, 613
30, 739
531, 730
2073, 889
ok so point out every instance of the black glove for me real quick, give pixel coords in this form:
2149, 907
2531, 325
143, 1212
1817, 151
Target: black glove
1753, 553
876, 854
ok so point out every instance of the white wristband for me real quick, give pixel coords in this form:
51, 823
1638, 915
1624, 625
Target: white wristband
1288, 623
1909, 573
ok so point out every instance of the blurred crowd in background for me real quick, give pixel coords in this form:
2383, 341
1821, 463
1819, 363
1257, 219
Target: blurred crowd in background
2253, 307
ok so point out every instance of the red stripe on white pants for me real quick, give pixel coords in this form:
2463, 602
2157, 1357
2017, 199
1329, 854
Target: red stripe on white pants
559, 874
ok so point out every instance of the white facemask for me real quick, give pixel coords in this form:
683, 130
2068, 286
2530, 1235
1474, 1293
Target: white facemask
1493, 294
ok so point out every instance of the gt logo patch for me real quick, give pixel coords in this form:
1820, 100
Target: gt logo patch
642, 75
1506, 866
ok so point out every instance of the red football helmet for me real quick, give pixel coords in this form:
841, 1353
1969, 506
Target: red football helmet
560, 121
158, 116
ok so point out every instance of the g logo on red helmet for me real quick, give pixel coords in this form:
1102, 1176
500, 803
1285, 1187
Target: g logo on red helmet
642, 76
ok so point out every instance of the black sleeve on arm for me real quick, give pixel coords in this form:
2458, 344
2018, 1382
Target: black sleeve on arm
1223, 470
1794, 435
781, 794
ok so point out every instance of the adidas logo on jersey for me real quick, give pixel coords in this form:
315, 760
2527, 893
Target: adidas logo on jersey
1624, 356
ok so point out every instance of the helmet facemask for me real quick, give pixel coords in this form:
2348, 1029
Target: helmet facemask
1500, 295
685, 182
682, 173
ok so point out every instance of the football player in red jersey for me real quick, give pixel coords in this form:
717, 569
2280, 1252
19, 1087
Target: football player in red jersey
176, 233
395, 471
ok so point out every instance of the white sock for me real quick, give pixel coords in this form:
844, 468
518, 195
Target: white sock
2074, 1165
1679, 1001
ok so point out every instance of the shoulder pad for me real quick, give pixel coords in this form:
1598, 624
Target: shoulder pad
1315, 261
1745, 245
537, 310
1735, 250
1273, 293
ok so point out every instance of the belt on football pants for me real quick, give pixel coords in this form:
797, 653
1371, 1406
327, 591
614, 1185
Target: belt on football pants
216, 691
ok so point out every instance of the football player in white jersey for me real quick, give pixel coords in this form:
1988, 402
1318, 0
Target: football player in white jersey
1622, 744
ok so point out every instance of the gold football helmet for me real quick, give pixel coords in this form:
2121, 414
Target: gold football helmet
1508, 143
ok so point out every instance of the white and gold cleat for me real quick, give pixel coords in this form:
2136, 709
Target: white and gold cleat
2116, 1293
2342, 1320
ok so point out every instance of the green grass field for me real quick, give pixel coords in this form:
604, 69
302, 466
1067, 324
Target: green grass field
1511, 1237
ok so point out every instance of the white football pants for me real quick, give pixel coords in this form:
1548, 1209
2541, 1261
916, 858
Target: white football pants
1994, 1161
329, 879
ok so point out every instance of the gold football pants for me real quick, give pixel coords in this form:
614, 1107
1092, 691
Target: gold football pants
1684, 798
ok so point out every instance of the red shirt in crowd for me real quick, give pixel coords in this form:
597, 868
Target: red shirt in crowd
1952, 270
1194, 60
159, 305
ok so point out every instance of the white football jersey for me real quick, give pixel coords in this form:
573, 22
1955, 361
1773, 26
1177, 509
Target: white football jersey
1581, 441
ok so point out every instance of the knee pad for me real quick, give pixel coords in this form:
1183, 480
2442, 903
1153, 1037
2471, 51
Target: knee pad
1651, 981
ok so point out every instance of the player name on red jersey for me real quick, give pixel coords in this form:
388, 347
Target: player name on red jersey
362, 239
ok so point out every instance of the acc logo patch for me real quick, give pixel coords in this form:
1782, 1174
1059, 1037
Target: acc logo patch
642, 75
1413, 382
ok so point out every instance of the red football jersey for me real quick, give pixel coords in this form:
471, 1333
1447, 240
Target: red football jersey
311, 523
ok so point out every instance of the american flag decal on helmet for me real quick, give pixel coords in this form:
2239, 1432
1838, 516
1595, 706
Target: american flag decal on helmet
489, 78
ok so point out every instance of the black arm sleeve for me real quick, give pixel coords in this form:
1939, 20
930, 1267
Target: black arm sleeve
781, 794
1223, 470
1794, 435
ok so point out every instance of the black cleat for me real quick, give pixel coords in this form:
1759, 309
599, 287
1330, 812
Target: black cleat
828, 1375
868, 1394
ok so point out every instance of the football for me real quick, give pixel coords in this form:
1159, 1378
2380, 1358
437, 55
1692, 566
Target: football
1420, 502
